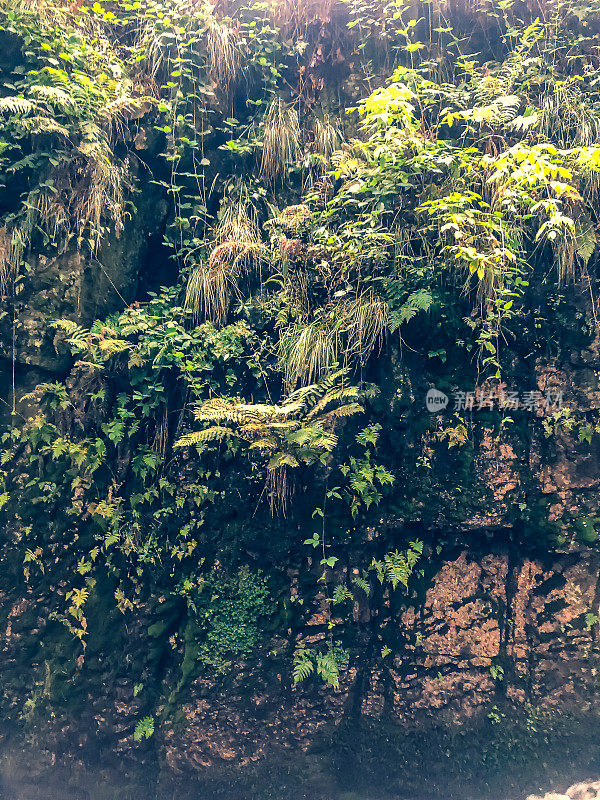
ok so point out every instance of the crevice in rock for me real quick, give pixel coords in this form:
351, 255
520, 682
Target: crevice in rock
506, 621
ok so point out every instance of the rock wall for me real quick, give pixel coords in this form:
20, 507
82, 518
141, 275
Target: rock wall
489, 626
502, 619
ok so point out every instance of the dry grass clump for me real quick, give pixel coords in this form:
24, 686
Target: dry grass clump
212, 284
279, 486
348, 334
85, 192
207, 293
237, 220
290, 248
224, 53
89, 191
364, 321
281, 141
237, 248
306, 352
99, 192
293, 16
48, 12
327, 136
234, 254
7, 258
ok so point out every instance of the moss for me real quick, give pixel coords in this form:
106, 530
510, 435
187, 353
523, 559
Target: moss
158, 629
585, 529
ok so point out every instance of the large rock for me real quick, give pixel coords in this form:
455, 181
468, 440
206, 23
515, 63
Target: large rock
585, 790
80, 286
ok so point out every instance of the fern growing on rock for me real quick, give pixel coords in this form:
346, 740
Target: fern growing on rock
297, 431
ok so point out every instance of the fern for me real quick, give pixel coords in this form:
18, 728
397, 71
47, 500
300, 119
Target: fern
304, 666
111, 347
202, 437
493, 88
397, 567
420, 300
39, 124
507, 107
61, 100
331, 395
265, 445
19, 105
144, 729
123, 107
280, 460
328, 669
326, 665
369, 435
363, 584
585, 238
77, 337
341, 594
512, 67
348, 410
293, 433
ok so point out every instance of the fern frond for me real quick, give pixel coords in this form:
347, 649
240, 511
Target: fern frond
201, 437
303, 666
308, 396
113, 346
420, 300
265, 444
347, 410
328, 669
77, 337
323, 441
39, 124
59, 99
123, 107
333, 396
19, 105
508, 107
341, 594
266, 424
363, 584
282, 460
219, 410
397, 567
585, 238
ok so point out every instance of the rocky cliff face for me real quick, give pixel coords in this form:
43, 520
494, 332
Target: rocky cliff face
81, 288
491, 625
482, 658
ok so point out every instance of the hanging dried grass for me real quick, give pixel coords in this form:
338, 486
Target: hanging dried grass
294, 16
211, 284
281, 141
306, 352
237, 220
327, 136
364, 321
224, 53
280, 489
7, 258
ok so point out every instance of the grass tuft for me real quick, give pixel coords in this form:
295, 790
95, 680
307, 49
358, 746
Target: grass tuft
281, 141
